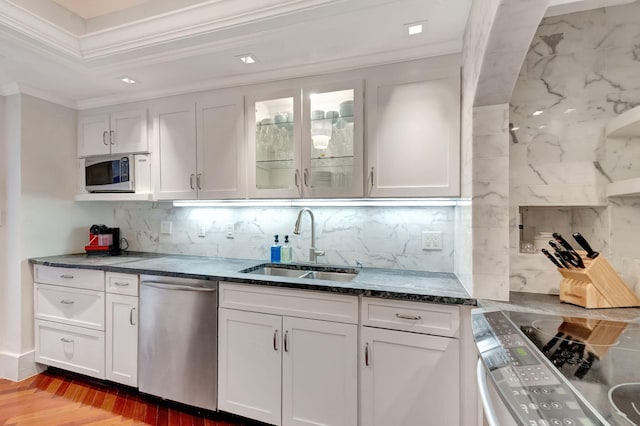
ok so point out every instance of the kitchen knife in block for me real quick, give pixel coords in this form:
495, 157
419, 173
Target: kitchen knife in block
596, 286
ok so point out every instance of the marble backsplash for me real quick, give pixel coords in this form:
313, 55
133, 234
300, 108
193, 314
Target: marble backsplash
380, 237
581, 71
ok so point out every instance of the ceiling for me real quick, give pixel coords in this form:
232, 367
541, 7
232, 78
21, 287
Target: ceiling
75, 51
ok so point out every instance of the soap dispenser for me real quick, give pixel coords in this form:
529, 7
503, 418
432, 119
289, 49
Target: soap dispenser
275, 251
285, 253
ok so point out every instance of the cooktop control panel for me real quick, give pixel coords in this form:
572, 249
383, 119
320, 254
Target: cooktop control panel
531, 390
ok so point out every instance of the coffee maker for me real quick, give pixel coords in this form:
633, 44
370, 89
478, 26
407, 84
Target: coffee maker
103, 241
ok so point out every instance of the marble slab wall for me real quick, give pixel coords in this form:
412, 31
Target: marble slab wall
581, 70
378, 237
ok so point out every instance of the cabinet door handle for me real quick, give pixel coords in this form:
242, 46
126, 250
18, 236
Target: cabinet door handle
275, 340
112, 137
104, 137
366, 354
198, 178
67, 302
306, 177
191, 181
409, 317
131, 316
66, 277
65, 340
286, 341
121, 284
371, 180
296, 178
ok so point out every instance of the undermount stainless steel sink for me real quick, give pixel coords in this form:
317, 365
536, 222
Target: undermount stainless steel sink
304, 271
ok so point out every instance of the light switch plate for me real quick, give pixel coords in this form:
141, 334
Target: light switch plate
229, 229
431, 240
166, 227
202, 229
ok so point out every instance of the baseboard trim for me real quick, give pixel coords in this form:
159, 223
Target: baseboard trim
17, 367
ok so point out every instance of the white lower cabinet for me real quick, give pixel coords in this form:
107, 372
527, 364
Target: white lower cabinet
72, 348
408, 379
286, 370
122, 339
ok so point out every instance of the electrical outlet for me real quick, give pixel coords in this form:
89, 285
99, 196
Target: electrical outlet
202, 229
229, 230
431, 240
166, 227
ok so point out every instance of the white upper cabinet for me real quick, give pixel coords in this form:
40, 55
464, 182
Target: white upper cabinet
199, 148
413, 141
221, 147
306, 142
117, 132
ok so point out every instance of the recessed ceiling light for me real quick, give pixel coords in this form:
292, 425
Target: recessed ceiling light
414, 28
247, 58
127, 80
538, 112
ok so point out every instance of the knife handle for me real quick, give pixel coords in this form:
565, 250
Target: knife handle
562, 241
577, 259
562, 261
591, 253
551, 258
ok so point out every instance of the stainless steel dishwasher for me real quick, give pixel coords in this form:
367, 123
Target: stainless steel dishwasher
177, 340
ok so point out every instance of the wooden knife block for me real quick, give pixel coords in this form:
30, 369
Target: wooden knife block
598, 285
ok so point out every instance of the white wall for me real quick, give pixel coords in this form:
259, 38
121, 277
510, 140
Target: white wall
42, 218
3, 203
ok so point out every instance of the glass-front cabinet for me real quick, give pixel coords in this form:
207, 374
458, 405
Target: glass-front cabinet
307, 142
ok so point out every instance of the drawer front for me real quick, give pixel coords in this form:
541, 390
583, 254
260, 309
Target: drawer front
126, 284
295, 303
428, 318
70, 348
89, 279
84, 308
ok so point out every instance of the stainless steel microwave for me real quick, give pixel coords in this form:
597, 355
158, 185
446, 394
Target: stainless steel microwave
109, 174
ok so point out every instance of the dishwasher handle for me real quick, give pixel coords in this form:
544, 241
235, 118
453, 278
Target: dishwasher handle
178, 287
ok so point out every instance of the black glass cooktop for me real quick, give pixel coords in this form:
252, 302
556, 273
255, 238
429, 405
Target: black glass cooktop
591, 374
600, 358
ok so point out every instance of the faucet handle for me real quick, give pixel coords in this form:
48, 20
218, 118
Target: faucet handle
358, 264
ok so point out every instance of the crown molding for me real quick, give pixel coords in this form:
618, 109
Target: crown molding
339, 65
184, 23
17, 88
26, 23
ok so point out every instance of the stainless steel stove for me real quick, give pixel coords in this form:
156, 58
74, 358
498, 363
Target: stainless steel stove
556, 370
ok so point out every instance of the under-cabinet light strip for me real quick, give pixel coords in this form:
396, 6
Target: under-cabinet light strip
382, 202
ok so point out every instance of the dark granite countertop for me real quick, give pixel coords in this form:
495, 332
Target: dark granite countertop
436, 287
550, 304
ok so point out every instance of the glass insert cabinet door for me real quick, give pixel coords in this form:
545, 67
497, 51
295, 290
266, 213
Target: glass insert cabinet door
275, 146
307, 142
332, 142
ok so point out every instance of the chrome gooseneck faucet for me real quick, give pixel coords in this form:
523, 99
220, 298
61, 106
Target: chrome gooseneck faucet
313, 253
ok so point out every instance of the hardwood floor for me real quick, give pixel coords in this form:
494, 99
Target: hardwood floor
55, 398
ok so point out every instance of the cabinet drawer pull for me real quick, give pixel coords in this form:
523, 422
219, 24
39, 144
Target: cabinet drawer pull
67, 302
275, 340
65, 340
112, 137
191, 181
131, 316
121, 284
286, 338
366, 354
409, 317
104, 137
66, 277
